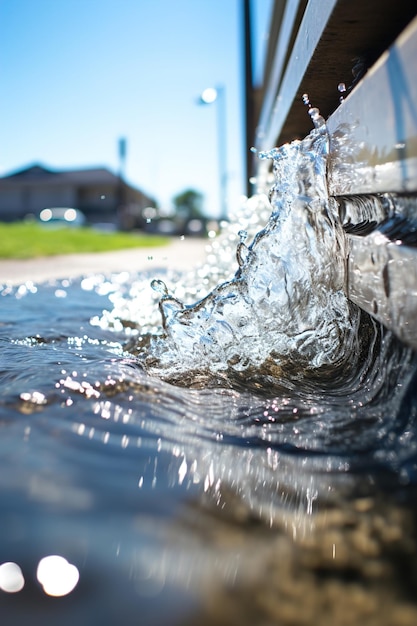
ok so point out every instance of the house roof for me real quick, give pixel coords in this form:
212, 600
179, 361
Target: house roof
39, 173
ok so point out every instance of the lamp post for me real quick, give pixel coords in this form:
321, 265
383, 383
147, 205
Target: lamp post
218, 95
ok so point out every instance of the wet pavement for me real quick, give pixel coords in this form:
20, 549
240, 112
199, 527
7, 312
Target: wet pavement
179, 254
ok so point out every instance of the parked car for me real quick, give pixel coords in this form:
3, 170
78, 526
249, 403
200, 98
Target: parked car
62, 216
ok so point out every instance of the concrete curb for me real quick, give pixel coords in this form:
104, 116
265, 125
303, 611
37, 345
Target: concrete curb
179, 254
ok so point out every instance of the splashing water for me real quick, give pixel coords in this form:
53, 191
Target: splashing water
285, 304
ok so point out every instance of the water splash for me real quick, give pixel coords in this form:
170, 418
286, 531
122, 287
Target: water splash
286, 305
168, 305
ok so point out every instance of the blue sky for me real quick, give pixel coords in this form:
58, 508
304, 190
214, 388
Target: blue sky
76, 75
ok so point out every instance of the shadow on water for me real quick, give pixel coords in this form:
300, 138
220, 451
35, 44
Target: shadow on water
272, 482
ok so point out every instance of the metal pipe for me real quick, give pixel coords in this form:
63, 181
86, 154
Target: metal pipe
374, 131
373, 150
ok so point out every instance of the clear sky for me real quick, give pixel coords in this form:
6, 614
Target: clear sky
76, 75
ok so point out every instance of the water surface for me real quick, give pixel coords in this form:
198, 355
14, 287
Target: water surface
234, 445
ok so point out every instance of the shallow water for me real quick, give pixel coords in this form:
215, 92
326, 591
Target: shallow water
252, 460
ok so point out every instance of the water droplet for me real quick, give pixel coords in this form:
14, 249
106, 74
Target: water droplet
342, 89
306, 100
314, 113
159, 286
243, 235
316, 118
254, 150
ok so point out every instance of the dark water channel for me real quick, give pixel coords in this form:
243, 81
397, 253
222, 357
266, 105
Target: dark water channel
184, 477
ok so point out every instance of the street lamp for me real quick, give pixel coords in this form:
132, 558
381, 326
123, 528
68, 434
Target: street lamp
208, 96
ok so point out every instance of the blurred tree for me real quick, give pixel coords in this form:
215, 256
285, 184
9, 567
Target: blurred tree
188, 204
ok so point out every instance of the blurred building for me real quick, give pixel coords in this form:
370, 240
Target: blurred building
102, 196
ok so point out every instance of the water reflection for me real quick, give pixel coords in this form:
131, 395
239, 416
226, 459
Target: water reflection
11, 578
221, 505
57, 576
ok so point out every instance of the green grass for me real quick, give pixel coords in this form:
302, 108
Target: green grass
25, 240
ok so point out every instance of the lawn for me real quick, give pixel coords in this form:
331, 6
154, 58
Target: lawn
25, 240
